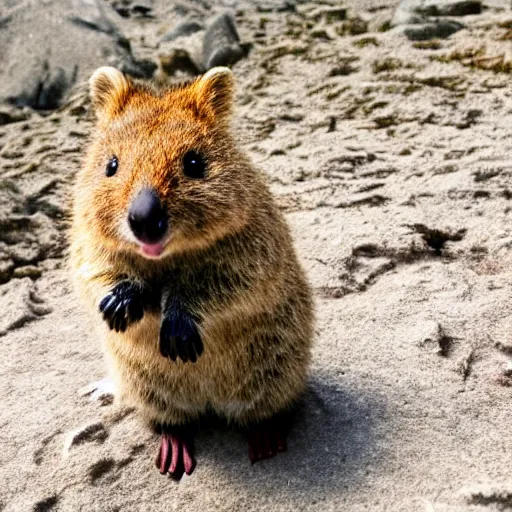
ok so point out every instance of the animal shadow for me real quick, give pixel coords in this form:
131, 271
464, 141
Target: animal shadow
332, 445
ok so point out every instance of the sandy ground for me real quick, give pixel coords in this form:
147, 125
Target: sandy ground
395, 177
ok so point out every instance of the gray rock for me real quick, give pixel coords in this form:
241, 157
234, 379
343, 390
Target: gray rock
142, 9
451, 7
221, 46
178, 59
9, 114
276, 6
126, 9
440, 29
329, 14
90, 14
49, 46
183, 29
421, 20
43, 86
183, 54
419, 11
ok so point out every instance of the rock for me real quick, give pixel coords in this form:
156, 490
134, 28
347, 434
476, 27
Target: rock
434, 30
90, 14
181, 50
419, 11
142, 9
183, 29
137, 69
329, 14
352, 26
421, 20
276, 6
27, 271
177, 60
185, 53
9, 114
221, 46
49, 46
45, 88
121, 9
451, 7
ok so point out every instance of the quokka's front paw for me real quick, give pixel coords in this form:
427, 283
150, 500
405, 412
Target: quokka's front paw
179, 337
122, 306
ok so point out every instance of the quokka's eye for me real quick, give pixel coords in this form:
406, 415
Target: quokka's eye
194, 165
112, 166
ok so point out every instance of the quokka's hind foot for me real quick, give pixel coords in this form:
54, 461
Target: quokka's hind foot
176, 453
268, 437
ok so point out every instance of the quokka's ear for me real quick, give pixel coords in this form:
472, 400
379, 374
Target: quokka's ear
109, 90
214, 93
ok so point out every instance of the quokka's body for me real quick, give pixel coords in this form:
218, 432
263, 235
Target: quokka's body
177, 239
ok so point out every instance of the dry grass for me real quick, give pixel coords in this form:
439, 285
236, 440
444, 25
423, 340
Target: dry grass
477, 58
353, 26
387, 64
366, 41
507, 35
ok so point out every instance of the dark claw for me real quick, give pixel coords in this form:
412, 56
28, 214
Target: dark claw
181, 348
173, 353
118, 317
123, 324
122, 306
135, 311
191, 352
108, 304
179, 337
104, 302
120, 309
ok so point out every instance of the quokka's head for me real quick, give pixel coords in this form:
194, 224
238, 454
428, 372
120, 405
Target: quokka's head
162, 174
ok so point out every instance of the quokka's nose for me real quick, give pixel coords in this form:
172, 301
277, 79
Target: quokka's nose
147, 217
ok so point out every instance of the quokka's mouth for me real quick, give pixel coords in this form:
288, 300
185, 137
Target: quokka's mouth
152, 250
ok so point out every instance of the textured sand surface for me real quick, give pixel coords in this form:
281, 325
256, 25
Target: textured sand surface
392, 163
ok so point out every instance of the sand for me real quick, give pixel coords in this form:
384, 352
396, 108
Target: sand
392, 165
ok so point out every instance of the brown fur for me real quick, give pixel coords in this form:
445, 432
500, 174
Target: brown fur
229, 253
